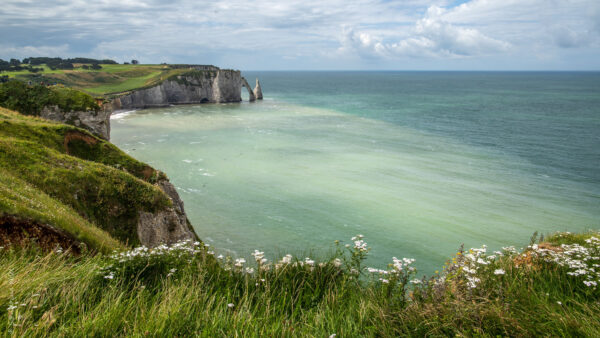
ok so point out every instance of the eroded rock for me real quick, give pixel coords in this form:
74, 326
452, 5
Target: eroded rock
166, 226
97, 122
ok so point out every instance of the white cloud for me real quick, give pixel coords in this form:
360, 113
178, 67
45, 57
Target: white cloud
27, 51
431, 36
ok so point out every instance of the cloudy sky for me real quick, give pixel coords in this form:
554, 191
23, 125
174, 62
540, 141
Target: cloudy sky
312, 34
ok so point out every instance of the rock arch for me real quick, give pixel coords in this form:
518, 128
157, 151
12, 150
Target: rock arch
249, 89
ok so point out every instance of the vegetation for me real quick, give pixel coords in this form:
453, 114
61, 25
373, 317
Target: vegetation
97, 77
64, 176
30, 100
190, 290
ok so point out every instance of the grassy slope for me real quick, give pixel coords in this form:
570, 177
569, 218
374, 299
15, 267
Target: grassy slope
110, 79
181, 294
97, 185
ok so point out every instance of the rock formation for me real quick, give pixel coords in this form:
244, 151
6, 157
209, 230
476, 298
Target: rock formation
97, 122
166, 226
258, 91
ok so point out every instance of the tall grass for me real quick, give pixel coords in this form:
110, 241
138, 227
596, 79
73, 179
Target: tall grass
189, 290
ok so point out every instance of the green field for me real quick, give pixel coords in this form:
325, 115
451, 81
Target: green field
111, 79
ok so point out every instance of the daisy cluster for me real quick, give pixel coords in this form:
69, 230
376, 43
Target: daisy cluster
398, 271
581, 261
142, 257
471, 264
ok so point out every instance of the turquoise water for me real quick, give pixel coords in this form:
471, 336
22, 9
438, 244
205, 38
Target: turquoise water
418, 162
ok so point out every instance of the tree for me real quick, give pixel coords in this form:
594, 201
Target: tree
15, 62
134, 62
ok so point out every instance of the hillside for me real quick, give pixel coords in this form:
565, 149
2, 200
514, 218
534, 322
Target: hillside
62, 176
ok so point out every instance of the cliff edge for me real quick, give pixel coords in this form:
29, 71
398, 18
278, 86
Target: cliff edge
57, 176
191, 87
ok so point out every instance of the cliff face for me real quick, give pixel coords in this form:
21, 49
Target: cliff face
97, 122
167, 226
218, 86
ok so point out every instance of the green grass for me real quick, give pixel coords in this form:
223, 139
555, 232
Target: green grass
93, 180
22, 199
112, 78
185, 292
128, 84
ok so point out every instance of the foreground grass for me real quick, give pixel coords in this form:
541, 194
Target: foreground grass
187, 290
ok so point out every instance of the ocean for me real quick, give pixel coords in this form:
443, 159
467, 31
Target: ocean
417, 162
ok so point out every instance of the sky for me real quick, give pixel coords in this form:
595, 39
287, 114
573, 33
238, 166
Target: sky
311, 34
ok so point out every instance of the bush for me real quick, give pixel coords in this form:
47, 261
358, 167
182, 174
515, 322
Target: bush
30, 100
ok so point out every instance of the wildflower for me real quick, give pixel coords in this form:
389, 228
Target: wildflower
11, 307
220, 256
384, 281
249, 270
239, 262
287, 259
559, 302
337, 262
230, 305
332, 335
109, 276
309, 261
499, 272
360, 245
416, 281
258, 255
589, 283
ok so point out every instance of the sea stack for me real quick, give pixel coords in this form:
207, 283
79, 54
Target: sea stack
258, 91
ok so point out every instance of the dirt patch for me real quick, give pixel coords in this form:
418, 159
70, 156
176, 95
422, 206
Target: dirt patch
147, 172
20, 232
528, 259
76, 135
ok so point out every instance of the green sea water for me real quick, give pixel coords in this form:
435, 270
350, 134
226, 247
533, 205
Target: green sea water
419, 163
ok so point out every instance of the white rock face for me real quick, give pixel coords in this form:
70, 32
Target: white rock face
218, 86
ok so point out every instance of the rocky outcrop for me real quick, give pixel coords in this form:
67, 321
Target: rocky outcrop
97, 122
258, 91
193, 87
166, 226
